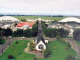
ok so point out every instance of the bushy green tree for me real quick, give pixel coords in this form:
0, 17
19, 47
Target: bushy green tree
62, 32
18, 33
27, 33
62, 40
32, 46
2, 40
1, 33
58, 37
66, 47
15, 24
8, 32
68, 44
76, 34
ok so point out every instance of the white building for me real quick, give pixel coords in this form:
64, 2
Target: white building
34, 20
70, 19
23, 27
6, 26
8, 19
41, 43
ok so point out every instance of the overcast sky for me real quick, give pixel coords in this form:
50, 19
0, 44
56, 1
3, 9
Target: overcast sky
63, 7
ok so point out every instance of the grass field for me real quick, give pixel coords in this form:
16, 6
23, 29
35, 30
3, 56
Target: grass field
18, 48
60, 53
36, 17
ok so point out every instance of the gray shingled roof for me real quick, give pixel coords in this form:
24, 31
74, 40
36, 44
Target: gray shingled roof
40, 38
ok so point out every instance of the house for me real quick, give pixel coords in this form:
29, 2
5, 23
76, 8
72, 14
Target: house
26, 23
41, 43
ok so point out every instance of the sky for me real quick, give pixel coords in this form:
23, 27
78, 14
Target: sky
40, 7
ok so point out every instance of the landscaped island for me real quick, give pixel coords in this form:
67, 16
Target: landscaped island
17, 51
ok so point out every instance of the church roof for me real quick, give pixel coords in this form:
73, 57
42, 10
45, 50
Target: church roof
40, 38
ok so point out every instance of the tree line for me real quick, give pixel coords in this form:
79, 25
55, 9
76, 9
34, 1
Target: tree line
20, 32
53, 32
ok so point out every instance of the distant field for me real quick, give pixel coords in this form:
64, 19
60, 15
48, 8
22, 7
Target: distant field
42, 17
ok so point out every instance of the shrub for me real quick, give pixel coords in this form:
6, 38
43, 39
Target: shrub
44, 50
58, 37
32, 45
66, 47
68, 44
69, 57
34, 58
10, 57
16, 42
62, 41
46, 54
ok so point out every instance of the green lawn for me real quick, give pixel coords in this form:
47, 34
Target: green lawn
56, 55
18, 48
78, 42
60, 53
42, 17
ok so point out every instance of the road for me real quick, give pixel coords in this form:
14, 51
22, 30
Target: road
75, 46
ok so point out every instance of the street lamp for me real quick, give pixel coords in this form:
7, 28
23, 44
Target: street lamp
9, 43
2, 49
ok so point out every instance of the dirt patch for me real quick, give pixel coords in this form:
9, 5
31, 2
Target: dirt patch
37, 53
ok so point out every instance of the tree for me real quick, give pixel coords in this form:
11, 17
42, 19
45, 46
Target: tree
15, 24
69, 57
58, 37
1, 33
32, 45
62, 32
15, 33
27, 33
68, 44
62, 40
10, 57
37, 22
16, 42
76, 34
66, 47
8, 32
2, 40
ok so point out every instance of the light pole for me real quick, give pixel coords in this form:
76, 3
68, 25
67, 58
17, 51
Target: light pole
9, 43
2, 49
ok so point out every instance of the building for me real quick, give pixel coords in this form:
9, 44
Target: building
8, 19
41, 43
70, 19
21, 24
6, 26
23, 27
34, 20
